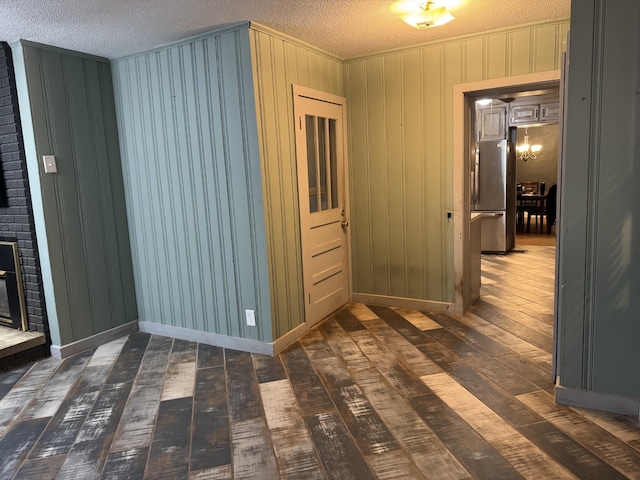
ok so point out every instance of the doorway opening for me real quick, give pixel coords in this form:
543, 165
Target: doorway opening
465, 148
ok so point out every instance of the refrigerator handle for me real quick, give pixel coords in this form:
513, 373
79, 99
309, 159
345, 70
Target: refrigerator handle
476, 172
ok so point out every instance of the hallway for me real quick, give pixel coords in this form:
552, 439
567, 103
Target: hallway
373, 393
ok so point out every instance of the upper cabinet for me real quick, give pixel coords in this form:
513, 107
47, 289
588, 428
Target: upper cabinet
492, 124
532, 110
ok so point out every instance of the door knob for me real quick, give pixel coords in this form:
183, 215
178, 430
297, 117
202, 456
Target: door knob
344, 223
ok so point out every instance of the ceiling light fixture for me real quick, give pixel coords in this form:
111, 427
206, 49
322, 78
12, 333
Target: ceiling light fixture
526, 151
428, 15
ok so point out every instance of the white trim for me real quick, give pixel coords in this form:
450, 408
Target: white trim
598, 401
64, 351
461, 200
290, 337
208, 338
402, 302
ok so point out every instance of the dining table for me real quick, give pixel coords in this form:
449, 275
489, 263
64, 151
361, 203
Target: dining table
533, 204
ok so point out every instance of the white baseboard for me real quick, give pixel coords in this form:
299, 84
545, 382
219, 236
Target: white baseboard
598, 401
401, 302
234, 343
64, 351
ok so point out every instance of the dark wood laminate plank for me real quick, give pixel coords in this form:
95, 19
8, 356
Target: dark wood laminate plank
126, 366
294, 450
218, 473
403, 380
139, 415
242, 385
487, 303
341, 458
268, 368
521, 454
416, 439
405, 328
597, 440
531, 372
253, 456
406, 353
53, 393
490, 393
343, 346
125, 465
169, 455
24, 391
61, 433
310, 392
533, 337
348, 321
314, 343
481, 342
486, 365
394, 466
567, 452
210, 356
17, 442
181, 372
475, 454
40, 468
211, 442
91, 446
370, 433
9, 379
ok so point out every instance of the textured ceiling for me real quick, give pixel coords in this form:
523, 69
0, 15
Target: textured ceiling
347, 28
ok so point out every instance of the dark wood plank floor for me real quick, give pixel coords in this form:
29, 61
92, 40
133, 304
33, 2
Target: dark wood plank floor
372, 393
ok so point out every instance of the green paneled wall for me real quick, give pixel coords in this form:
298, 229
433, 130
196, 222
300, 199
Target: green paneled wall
193, 184
81, 211
400, 107
278, 63
599, 327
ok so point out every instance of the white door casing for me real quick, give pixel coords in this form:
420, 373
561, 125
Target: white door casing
320, 153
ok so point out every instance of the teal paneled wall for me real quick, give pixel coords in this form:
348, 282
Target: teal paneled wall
81, 210
599, 327
193, 184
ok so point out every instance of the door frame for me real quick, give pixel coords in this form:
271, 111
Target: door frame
319, 95
462, 118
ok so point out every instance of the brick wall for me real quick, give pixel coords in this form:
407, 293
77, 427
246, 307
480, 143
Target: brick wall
16, 214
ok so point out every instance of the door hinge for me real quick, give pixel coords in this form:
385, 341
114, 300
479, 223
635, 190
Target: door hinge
309, 299
300, 121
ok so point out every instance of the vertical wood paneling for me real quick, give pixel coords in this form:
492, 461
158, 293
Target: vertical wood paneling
395, 169
496, 55
473, 66
414, 157
520, 52
70, 96
413, 179
546, 48
277, 65
193, 185
357, 110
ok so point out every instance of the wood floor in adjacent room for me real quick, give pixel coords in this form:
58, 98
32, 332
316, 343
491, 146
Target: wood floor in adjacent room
373, 393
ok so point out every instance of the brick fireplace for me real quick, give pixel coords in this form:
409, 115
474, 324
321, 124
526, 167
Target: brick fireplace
16, 214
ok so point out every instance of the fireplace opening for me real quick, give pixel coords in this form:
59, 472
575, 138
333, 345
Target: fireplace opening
12, 302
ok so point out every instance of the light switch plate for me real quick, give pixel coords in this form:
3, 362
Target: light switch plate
49, 164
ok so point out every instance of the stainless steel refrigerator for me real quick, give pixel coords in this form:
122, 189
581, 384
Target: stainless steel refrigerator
494, 194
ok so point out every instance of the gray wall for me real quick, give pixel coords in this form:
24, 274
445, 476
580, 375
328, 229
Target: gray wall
544, 168
189, 142
67, 110
599, 330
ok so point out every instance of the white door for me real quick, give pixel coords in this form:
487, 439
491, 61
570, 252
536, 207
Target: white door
320, 153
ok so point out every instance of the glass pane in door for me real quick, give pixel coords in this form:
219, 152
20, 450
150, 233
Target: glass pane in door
312, 162
322, 164
333, 164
